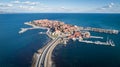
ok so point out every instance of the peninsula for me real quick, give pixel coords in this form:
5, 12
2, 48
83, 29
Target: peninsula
60, 32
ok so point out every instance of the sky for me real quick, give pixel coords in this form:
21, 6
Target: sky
60, 6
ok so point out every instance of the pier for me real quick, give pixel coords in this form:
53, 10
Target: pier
33, 27
97, 37
110, 31
107, 43
26, 29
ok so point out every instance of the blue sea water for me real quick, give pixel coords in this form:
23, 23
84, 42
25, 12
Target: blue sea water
16, 50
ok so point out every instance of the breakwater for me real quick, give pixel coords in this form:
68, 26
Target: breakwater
110, 31
43, 57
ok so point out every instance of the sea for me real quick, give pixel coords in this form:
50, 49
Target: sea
16, 50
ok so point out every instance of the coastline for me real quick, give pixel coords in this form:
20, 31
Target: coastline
34, 27
48, 32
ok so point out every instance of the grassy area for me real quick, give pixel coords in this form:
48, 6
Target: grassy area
54, 36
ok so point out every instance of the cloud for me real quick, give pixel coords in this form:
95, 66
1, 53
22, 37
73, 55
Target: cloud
6, 5
32, 6
110, 8
25, 2
106, 7
9, 5
16, 2
26, 7
17, 6
64, 9
30, 3
109, 5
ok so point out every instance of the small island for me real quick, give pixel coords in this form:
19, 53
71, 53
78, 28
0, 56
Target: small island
58, 28
59, 32
66, 31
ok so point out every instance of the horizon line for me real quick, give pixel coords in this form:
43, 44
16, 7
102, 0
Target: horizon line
59, 13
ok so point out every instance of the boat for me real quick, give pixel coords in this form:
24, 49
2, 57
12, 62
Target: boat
73, 39
111, 43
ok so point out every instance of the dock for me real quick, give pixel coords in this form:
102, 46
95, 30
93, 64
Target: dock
107, 43
97, 37
110, 31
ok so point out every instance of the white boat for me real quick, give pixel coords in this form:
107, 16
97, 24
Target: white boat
73, 39
111, 43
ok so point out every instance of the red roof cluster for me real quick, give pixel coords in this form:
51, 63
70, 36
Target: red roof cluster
60, 27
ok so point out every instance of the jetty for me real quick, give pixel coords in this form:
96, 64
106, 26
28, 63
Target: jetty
33, 27
107, 43
26, 29
97, 37
110, 31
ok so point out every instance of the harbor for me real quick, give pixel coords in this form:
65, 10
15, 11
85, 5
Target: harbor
70, 31
59, 32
